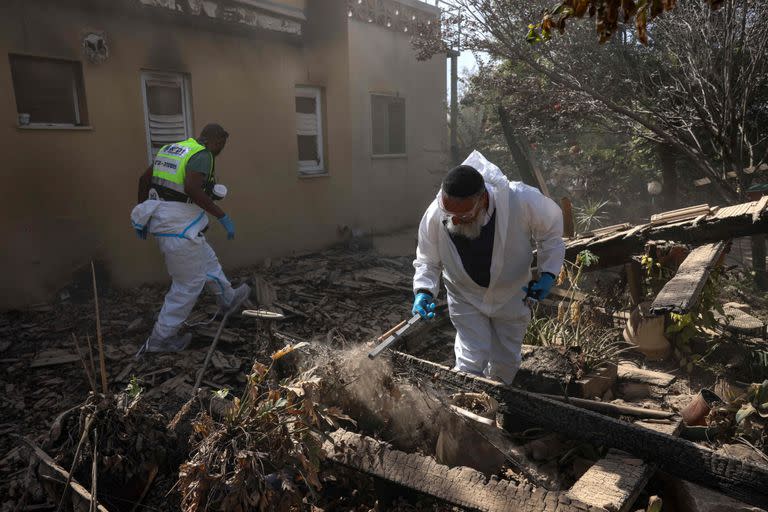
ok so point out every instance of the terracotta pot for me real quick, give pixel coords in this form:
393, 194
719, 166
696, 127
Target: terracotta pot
695, 413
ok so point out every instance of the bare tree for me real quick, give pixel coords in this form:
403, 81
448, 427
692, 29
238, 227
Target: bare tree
699, 87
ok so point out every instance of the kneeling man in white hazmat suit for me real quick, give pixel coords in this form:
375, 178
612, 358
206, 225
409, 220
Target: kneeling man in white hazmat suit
175, 193
479, 233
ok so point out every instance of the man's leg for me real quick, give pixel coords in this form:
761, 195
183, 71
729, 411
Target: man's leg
505, 358
473, 338
218, 284
185, 261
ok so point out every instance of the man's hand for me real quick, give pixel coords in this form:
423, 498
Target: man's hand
141, 232
229, 226
424, 306
541, 288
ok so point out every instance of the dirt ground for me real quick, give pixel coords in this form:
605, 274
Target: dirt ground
339, 298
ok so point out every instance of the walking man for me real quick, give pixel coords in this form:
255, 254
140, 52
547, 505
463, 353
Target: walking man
175, 192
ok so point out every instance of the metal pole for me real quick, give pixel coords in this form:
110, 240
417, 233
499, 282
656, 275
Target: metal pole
453, 54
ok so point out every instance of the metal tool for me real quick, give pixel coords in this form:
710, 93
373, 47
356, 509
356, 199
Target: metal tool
212, 348
393, 335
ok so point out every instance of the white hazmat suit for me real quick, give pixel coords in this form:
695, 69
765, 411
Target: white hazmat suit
190, 261
491, 322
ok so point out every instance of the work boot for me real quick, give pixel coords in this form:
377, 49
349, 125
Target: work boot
240, 295
171, 344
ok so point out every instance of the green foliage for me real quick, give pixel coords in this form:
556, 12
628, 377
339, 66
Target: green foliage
744, 418
684, 328
655, 276
573, 328
134, 388
591, 215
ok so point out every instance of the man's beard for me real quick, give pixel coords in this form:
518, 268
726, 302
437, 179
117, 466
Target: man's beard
470, 230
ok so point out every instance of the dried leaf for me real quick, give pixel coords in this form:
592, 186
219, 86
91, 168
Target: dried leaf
287, 350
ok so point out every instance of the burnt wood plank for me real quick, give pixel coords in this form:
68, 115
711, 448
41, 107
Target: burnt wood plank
743, 219
739, 479
682, 292
459, 486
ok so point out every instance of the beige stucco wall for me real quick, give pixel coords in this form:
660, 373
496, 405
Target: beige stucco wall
383, 61
69, 192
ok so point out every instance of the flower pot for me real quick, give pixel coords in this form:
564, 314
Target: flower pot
695, 413
646, 331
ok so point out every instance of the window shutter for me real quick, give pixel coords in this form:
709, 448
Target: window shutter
166, 115
306, 124
309, 130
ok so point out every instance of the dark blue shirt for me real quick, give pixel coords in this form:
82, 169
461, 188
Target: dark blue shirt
476, 254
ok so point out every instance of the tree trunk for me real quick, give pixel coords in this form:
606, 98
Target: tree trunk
669, 198
524, 165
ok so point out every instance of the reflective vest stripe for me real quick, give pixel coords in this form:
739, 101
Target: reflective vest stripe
168, 184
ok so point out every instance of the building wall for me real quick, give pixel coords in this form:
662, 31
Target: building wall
382, 60
70, 192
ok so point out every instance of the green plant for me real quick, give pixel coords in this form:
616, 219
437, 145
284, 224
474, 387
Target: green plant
589, 215
655, 275
573, 327
758, 363
744, 418
134, 388
696, 323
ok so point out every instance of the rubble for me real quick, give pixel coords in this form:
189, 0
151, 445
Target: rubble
340, 303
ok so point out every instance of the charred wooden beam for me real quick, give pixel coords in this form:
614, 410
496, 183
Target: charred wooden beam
459, 486
616, 248
683, 291
739, 479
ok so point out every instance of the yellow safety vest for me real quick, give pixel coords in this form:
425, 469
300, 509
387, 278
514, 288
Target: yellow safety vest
170, 168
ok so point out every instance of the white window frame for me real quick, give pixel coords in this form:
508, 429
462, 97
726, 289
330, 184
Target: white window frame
309, 167
405, 127
186, 102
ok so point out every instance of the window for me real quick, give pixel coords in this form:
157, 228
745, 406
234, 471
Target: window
388, 124
309, 130
166, 109
50, 91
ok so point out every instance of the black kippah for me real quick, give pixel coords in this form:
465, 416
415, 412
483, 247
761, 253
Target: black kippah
463, 181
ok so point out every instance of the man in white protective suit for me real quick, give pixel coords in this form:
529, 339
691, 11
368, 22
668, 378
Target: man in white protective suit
478, 233
175, 192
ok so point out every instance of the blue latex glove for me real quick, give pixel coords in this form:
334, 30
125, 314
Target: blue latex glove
229, 226
424, 306
541, 288
141, 233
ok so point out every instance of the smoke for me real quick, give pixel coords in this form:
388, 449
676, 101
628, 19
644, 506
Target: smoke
383, 405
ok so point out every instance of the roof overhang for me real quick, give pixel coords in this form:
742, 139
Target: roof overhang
265, 15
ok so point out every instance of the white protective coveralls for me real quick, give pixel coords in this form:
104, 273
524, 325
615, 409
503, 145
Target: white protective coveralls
190, 261
491, 322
